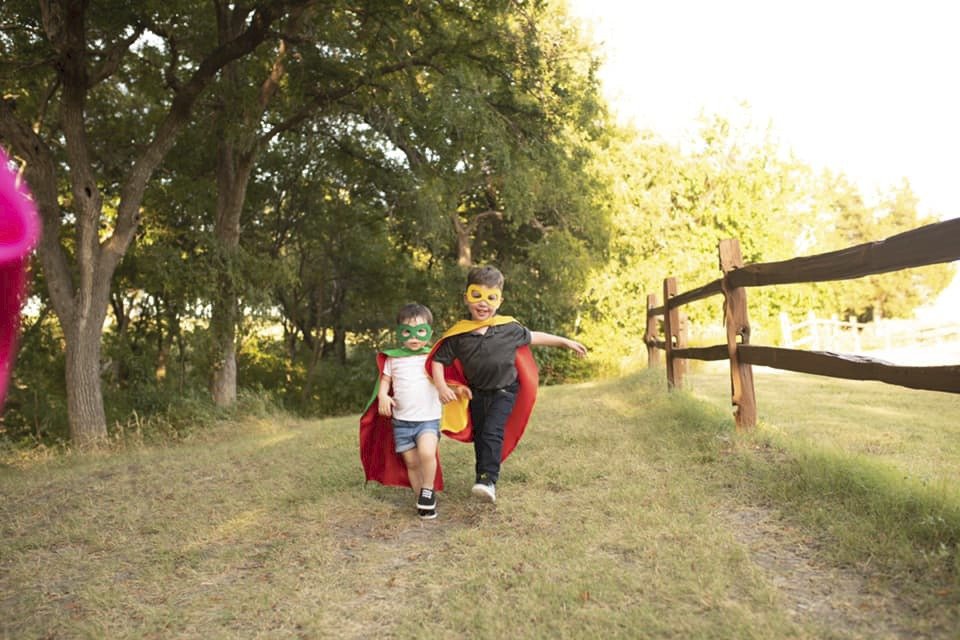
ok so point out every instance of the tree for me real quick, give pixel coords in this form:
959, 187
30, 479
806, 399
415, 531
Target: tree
491, 158
446, 130
850, 221
899, 293
417, 80
671, 208
95, 96
498, 148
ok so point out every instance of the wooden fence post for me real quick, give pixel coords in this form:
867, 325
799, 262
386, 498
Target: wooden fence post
651, 334
671, 334
738, 325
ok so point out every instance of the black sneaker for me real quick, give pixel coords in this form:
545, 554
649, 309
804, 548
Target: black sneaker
427, 504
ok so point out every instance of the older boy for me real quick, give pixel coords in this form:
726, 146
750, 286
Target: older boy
488, 349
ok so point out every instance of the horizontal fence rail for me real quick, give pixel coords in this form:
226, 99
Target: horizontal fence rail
930, 244
853, 367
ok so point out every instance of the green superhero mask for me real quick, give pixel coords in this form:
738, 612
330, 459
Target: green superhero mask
422, 332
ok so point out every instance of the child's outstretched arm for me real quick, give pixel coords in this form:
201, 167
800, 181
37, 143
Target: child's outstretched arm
541, 339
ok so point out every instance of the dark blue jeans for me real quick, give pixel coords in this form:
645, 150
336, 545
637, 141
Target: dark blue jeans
489, 411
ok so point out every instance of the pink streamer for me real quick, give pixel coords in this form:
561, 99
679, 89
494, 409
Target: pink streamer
19, 230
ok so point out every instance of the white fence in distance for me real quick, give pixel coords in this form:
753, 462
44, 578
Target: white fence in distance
905, 341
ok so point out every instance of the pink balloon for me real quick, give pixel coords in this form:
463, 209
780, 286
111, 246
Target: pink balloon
19, 230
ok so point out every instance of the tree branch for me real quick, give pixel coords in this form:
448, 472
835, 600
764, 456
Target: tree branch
113, 56
164, 137
322, 98
40, 174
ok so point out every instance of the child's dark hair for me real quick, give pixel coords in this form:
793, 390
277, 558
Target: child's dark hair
414, 310
487, 276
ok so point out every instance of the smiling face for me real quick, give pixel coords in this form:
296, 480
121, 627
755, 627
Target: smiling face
415, 333
482, 301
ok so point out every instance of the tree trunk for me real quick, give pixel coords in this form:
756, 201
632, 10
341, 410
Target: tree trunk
232, 179
464, 240
466, 234
86, 416
120, 370
239, 144
316, 358
223, 387
340, 344
79, 278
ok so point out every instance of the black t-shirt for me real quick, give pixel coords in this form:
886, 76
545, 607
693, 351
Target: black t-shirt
488, 359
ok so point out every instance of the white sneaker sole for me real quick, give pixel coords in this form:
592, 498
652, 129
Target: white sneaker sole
483, 492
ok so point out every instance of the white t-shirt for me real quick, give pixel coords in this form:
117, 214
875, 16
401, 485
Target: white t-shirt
416, 398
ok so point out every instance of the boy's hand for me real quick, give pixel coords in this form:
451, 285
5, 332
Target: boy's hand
463, 392
385, 405
446, 394
576, 347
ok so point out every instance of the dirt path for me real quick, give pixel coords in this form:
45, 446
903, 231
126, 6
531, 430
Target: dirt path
845, 600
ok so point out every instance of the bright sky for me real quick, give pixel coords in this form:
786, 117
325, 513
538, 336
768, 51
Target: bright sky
869, 88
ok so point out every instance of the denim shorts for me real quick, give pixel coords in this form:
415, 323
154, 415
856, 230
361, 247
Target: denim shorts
405, 433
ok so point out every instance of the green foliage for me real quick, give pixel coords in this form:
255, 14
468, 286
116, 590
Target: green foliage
35, 410
307, 385
844, 219
670, 210
386, 132
874, 466
397, 148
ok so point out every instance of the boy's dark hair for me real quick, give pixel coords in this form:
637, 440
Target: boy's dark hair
413, 310
487, 276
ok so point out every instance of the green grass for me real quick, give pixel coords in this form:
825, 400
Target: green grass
911, 430
621, 514
875, 467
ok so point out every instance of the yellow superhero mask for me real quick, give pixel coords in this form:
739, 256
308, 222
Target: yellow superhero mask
478, 293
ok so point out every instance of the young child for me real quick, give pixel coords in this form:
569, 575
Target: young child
490, 354
400, 429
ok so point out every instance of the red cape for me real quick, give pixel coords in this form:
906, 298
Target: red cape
377, 450
529, 378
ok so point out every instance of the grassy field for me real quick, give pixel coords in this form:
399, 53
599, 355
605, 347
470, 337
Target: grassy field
625, 512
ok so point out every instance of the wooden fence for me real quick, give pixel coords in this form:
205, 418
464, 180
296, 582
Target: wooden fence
931, 244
